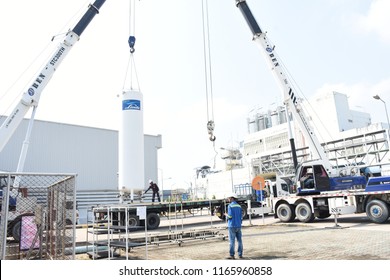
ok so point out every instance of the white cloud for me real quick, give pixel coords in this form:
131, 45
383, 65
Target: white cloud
377, 19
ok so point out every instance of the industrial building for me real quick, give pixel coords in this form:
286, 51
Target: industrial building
344, 133
91, 153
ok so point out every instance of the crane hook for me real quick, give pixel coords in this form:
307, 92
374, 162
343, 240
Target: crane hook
132, 43
210, 128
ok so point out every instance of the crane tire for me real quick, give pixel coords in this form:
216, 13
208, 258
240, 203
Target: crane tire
377, 211
285, 213
304, 213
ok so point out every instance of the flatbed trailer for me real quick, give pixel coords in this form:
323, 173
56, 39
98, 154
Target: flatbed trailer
125, 214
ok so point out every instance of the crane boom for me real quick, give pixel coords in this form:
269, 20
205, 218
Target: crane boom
31, 96
290, 99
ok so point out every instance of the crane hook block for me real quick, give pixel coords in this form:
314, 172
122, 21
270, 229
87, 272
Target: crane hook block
210, 128
131, 43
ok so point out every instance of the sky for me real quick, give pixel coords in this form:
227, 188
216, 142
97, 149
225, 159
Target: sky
326, 45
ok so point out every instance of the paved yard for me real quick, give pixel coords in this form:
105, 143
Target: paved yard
280, 241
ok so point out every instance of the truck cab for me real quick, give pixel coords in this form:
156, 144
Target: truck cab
280, 188
312, 178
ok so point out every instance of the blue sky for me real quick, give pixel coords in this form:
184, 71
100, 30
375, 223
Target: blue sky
325, 44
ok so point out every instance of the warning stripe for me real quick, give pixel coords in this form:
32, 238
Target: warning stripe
335, 195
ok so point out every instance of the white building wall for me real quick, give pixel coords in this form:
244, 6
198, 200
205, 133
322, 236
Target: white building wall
360, 119
345, 119
152, 143
322, 111
331, 114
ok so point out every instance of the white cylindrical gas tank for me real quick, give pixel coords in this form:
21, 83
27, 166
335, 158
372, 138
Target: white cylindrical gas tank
131, 144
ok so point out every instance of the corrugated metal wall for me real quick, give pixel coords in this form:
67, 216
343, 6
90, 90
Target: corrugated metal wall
91, 153
60, 148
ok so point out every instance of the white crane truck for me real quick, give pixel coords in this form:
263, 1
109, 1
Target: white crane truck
329, 190
373, 199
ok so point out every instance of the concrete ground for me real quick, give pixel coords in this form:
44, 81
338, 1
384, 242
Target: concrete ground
353, 238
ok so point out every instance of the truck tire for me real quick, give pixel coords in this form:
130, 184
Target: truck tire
14, 227
133, 221
377, 211
323, 214
219, 213
303, 212
285, 213
244, 211
153, 220
15, 231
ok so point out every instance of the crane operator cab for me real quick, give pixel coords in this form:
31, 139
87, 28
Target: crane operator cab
312, 180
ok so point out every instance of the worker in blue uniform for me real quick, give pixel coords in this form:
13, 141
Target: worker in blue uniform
234, 218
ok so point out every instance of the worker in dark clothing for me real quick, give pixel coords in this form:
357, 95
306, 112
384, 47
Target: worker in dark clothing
308, 181
234, 217
153, 186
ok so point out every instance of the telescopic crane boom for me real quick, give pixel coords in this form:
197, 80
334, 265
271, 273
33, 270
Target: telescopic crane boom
30, 97
290, 99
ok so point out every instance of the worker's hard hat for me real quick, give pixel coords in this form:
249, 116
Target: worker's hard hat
150, 181
231, 195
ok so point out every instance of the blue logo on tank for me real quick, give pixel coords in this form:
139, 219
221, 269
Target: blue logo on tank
131, 104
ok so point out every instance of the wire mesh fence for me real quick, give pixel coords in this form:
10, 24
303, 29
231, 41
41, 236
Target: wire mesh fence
38, 216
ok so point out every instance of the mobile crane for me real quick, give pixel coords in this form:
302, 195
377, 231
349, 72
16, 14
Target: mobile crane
31, 96
329, 191
325, 176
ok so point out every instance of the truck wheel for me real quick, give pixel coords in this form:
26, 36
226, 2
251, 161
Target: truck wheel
323, 215
133, 221
377, 211
303, 212
219, 213
244, 211
285, 213
14, 226
15, 231
153, 220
